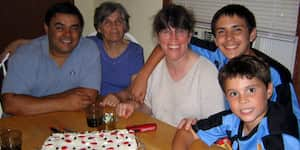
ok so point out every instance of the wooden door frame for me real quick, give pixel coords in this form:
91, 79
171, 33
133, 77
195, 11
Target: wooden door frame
166, 2
23, 19
296, 75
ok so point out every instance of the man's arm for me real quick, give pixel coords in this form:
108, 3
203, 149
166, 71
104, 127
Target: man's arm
71, 100
139, 85
183, 139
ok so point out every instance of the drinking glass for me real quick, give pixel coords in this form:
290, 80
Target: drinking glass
10, 139
109, 118
94, 115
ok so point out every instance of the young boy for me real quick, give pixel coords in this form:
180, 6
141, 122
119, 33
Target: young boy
253, 121
234, 29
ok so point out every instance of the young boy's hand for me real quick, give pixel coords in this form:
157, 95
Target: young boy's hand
125, 109
186, 123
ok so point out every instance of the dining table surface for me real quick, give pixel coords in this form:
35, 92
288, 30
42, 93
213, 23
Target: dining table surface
36, 128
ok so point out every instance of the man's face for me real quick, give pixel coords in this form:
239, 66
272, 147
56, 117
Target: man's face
233, 37
64, 32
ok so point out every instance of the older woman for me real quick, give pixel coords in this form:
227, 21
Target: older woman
120, 58
183, 84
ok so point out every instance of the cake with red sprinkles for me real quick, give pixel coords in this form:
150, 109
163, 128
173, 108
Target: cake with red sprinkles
120, 139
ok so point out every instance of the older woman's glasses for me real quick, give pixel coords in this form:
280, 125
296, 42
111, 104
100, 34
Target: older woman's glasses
109, 23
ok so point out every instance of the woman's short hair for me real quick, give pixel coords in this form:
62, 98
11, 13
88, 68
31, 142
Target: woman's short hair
106, 9
174, 16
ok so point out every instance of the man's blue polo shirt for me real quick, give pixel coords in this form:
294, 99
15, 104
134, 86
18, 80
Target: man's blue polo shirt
31, 70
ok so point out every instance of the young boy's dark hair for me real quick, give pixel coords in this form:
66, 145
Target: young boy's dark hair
231, 10
245, 66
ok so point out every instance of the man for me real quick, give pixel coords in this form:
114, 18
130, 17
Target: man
57, 72
234, 29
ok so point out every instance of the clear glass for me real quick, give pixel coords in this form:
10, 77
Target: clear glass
11, 139
94, 115
109, 119
140, 144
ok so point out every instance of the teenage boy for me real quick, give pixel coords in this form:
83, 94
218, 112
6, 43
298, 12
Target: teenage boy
253, 121
234, 29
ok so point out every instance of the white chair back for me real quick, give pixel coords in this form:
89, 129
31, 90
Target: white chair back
2, 65
4, 71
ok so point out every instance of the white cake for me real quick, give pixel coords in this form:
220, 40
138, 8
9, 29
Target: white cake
120, 139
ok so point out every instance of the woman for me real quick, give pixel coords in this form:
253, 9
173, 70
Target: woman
183, 84
120, 58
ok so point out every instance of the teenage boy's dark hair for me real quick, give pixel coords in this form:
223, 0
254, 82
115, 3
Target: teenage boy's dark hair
174, 16
245, 66
64, 8
231, 10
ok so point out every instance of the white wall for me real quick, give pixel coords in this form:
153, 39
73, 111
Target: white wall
141, 15
87, 8
282, 49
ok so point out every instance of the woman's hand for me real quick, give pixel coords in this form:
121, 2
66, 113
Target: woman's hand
125, 109
110, 100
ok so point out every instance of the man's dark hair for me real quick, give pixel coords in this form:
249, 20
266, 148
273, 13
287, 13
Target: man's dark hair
65, 8
245, 66
174, 16
231, 10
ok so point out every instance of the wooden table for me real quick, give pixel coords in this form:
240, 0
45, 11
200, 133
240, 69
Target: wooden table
35, 129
